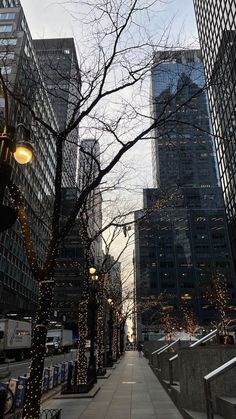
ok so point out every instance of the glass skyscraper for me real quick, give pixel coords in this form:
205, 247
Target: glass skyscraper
216, 21
182, 244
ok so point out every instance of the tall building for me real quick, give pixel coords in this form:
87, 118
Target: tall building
216, 25
180, 245
18, 290
71, 263
89, 161
59, 68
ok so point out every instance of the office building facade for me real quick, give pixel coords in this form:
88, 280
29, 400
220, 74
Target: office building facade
18, 290
183, 243
216, 21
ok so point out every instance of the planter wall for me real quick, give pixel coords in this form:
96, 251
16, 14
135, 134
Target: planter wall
194, 364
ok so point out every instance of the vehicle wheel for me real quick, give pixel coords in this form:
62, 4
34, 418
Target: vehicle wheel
9, 402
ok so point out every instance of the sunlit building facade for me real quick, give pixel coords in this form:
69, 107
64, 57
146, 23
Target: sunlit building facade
18, 290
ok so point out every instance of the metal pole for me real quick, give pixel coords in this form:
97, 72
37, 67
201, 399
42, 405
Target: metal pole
209, 405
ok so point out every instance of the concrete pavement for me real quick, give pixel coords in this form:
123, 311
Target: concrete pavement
131, 392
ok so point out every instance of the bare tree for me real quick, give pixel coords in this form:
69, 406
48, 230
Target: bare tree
219, 298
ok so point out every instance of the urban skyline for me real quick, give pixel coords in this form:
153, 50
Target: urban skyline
78, 133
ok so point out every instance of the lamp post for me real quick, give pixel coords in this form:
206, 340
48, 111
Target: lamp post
22, 152
93, 306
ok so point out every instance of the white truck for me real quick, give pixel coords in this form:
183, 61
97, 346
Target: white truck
59, 340
15, 339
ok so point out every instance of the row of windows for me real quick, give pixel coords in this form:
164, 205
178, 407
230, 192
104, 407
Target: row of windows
8, 41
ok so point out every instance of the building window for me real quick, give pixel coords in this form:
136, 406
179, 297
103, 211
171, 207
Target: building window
5, 28
6, 70
9, 41
7, 16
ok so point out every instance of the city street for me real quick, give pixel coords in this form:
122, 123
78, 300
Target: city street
21, 368
131, 392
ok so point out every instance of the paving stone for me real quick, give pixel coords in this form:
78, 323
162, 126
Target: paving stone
131, 392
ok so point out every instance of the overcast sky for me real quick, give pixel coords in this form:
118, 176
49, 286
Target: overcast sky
48, 19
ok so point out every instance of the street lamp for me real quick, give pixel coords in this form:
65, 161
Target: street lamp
22, 152
92, 271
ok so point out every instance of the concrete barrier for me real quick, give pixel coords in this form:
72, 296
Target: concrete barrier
194, 364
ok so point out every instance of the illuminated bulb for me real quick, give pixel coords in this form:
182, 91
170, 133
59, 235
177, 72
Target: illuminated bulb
92, 271
23, 153
109, 300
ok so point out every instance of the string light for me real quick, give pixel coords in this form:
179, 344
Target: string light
83, 333
34, 385
219, 297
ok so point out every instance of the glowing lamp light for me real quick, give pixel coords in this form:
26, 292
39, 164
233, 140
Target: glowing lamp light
23, 153
109, 300
186, 297
92, 271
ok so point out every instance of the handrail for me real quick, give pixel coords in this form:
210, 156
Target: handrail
169, 346
210, 377
160, 349
204, 339
156, 352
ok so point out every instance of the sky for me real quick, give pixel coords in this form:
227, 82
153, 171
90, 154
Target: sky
47, 18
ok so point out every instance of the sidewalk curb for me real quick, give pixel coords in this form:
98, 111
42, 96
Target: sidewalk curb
90, 395
104, 377
45, 397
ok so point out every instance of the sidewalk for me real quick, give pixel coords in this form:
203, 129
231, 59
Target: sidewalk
131, 392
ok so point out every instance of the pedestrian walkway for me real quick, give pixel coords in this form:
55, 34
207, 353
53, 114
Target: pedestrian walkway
131, 392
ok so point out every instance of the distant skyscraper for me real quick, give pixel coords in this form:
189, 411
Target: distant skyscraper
183, 243
89, 160
217, 32
72, 262
59, 68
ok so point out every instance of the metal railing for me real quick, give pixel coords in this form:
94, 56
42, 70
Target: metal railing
171, 375
50, 414
168, 346
156, 352
165, 349
204, 339
207, 387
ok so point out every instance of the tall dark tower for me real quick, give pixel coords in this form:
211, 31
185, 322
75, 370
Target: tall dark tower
181, 246
216, 23
59, 67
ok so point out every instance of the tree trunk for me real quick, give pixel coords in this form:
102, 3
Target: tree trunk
114, 339
100, 334
83, 332
34, 386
